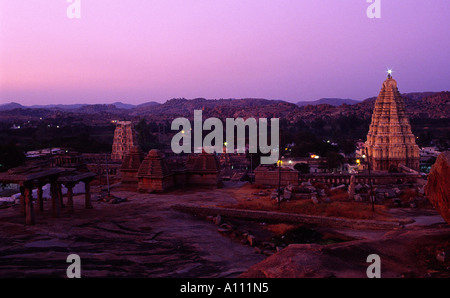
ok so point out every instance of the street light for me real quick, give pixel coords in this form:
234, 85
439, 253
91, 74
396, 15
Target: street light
371, 196
279, 162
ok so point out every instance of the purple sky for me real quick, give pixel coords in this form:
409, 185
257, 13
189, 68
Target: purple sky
153, 50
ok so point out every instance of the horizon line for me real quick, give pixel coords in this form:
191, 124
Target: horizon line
159, 102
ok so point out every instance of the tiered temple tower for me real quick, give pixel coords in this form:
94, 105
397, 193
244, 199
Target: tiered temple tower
390, 142
154, 174
124, 139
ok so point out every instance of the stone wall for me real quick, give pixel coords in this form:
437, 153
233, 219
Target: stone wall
271, 176
268, 216
148, 184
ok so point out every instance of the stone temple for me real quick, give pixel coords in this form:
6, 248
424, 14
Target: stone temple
390, 142
124, 139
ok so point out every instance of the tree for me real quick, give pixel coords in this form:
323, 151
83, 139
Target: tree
303, 168
334, 160
145, 137
10, 156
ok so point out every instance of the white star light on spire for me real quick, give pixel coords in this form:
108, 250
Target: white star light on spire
389, 71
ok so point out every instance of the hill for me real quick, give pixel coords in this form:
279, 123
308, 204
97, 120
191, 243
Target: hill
432, 105
329, 101
10, 106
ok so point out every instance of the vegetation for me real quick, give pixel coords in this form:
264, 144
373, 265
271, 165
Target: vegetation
10, 156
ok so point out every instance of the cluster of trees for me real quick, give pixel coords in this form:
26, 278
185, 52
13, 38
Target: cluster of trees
11, 156
147, 135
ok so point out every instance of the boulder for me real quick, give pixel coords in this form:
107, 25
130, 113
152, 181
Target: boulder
226, 227
326, 200
397, 191
358, 187
218, 219
314, 199
251, 240
443, 256
437, 189
321, 192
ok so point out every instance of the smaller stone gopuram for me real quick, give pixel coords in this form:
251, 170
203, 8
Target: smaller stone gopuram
154, 174
130, 167
203, 169
124, 139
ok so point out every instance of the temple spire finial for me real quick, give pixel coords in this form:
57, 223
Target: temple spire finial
389, 72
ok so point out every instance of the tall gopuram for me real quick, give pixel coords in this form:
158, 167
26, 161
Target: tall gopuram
124, 139
390, 142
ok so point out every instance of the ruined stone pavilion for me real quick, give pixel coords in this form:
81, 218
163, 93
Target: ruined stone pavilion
30, 177
390, 142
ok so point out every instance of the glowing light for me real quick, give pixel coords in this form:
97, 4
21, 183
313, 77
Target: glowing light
226, 144
358, 161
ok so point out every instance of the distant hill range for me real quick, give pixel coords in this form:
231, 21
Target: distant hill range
329, 101
433, 105
74, 107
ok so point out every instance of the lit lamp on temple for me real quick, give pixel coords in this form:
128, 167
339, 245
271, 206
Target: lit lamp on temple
389, 72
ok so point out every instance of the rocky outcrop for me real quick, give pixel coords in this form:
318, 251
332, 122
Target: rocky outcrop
402, 253
438, 186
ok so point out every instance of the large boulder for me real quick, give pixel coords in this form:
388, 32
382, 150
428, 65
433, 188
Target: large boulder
437, 189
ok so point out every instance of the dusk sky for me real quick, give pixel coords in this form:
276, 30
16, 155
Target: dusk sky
153, 50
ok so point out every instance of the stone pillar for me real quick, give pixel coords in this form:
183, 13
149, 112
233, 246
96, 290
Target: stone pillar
60, 194
29, 220
22, 201
55, 200
87, 199
351, 188
70, 197
40, 201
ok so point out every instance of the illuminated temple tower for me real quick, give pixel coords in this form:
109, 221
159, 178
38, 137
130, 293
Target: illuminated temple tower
124, 139
390, 142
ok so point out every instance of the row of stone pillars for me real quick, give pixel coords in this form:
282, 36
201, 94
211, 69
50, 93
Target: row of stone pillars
26, 200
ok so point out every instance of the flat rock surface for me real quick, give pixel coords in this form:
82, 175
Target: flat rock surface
142, 237
145, 237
